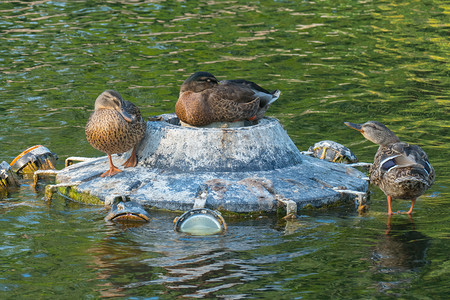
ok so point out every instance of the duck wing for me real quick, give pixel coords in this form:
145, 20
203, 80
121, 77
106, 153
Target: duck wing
234, 91
251, 90
230, 104
133, 111
402, 161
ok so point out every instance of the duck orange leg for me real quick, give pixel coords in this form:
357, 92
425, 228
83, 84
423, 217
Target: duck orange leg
409, 212
112, 169
132, 160
389, 201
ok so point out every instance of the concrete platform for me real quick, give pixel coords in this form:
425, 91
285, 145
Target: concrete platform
245, 169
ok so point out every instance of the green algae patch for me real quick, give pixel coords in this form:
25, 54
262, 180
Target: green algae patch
71, 193
80, 197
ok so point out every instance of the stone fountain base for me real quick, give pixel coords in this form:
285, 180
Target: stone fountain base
244, 169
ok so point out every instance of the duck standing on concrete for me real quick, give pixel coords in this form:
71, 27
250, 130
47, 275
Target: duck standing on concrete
401, 170
204, 100
114, 127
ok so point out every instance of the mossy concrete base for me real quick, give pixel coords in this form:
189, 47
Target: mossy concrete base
72, 193
245, 169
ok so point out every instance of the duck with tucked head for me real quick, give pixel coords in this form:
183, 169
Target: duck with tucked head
115, 126
204, 100
400, 170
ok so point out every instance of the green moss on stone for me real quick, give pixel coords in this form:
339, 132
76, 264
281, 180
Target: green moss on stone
81, 197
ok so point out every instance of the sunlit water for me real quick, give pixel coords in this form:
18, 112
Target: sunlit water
334, 61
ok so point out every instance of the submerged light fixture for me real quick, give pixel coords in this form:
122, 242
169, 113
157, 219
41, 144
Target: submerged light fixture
200, 221
34, 158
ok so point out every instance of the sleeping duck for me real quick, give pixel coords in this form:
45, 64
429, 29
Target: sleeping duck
115, 126
400, 170
204, 100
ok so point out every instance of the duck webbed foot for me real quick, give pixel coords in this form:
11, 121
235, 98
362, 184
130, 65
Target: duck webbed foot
409, 212
113, 170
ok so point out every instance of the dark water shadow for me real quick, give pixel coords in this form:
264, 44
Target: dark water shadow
399, 255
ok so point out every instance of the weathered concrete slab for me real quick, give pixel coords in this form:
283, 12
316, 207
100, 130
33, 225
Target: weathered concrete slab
231, 169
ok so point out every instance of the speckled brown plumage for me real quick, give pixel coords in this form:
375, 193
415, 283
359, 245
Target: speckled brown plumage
115, 126
402, 182
204, 100
400, 170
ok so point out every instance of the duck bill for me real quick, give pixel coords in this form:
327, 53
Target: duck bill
125, 115
357, 127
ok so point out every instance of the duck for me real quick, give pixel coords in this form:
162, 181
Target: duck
399, 169
115, 126
204, 100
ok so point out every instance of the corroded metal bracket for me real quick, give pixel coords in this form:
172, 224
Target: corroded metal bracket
38, 173
51, 189
360, 164
360, 197
200, 200
71, 160
291, 206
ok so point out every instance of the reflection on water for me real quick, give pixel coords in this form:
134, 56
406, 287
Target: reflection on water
188, 265
333, 61
401, 250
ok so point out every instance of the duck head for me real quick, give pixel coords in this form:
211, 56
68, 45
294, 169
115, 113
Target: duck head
375, 132
112, 100
198, 82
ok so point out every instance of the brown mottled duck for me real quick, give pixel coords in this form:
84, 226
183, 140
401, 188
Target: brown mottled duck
115, 126
204, 100
400, 170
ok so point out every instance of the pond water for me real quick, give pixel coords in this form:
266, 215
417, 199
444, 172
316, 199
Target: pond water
334, 61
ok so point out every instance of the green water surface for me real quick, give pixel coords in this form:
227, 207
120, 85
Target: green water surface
334, 61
